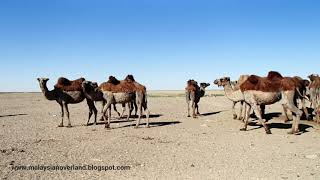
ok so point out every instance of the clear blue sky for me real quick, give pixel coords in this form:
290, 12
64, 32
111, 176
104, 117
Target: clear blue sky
162, 42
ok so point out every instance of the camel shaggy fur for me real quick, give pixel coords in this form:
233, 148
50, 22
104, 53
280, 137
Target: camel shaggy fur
67, 92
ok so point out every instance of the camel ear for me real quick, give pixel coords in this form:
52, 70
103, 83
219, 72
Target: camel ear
38, 79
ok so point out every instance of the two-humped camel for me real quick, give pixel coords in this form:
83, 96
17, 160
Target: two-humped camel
265, 91
67, 92
89, 89
125, 92
314, 90
193, 94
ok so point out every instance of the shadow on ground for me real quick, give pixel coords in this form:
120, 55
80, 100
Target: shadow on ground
211, 113
12, 115
152, 124
303, 127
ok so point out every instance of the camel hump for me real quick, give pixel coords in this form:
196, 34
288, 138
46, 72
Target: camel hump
192, 85
274, 75
67, 85
254, 79
130, 78
113, 80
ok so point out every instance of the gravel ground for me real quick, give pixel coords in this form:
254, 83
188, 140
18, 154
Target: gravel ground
175, 147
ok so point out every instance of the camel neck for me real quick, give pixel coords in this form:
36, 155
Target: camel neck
202, 92
50, 95
228, 90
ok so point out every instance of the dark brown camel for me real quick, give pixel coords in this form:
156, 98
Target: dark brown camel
193, 93
67, 92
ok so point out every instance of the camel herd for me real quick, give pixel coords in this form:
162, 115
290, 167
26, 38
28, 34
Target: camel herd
253, 92
126, 92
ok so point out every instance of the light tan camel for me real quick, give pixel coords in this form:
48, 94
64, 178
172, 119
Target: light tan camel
233, 93
266, 91
67, 92
193, 95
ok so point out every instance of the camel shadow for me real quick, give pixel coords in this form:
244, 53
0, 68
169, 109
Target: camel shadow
152, 124
112, 122
211, 113
144, 116
267, 116
12, 115
303, 127
270, 116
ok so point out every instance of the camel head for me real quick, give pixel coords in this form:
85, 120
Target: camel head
204, 85
222, 81
313, 77
43, 81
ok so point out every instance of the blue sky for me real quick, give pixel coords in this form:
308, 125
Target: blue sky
162, 42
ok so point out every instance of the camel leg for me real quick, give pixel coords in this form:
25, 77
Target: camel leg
285, 111
139, 115
129, 112
246, 117
68, 114
257, 109
107, 118
62, 115
115, 109
305, 110
92, 110
103, 104
147, 113
197, 107
318, 116
188, 104
289, 100
234, 111
244, 111
135, 108
240, 111
123, 110
193, 104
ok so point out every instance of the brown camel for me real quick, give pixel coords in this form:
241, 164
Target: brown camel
265, 91
193, 94
90, 90
121, 92
314, 90
67, 92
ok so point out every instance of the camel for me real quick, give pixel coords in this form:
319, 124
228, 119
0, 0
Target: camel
122, 92
90, 91
193, 94
301, 89
265, 91
314, 90
233, 93
67, 92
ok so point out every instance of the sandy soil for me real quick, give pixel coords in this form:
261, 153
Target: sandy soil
175, 147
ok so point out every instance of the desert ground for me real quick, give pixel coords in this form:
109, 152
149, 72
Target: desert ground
175, 147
